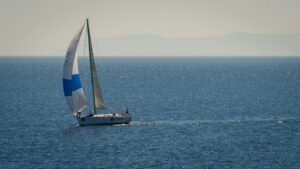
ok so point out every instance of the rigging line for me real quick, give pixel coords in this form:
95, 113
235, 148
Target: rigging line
84, 61
87, 72
89, 88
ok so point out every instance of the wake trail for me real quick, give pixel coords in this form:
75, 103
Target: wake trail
199, 122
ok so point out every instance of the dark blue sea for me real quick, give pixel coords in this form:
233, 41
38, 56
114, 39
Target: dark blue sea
187, 113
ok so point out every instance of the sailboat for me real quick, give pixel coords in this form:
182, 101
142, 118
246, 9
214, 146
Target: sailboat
74, 93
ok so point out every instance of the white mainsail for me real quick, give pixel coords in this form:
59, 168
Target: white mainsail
97, 95
73, 91
99, 104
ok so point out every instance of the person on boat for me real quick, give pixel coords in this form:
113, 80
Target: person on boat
126, 110
91, 113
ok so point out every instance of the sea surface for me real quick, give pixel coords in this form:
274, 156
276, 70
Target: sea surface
187, 113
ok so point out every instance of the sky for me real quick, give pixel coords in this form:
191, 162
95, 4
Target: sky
44, 27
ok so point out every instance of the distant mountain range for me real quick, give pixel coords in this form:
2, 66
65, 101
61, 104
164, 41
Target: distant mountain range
238, 44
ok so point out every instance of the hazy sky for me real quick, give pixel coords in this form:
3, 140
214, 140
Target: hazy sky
42, 27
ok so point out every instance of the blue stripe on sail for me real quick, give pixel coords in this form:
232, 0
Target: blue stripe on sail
71, 85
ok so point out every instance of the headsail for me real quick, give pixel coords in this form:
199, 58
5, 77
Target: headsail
73, 91
98, 99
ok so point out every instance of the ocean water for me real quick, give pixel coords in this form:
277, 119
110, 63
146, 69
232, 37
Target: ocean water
187, 113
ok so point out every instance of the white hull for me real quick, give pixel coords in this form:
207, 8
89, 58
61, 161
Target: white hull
104, 119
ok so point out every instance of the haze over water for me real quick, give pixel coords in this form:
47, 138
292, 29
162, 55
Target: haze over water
187, 113
180, 27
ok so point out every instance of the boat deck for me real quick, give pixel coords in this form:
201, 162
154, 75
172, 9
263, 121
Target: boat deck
110, 115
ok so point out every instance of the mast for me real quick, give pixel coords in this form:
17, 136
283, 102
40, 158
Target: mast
91, 54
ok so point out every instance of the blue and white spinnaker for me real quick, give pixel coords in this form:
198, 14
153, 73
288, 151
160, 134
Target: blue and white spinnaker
73, 91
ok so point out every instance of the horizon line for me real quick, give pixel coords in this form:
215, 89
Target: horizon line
156, 56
